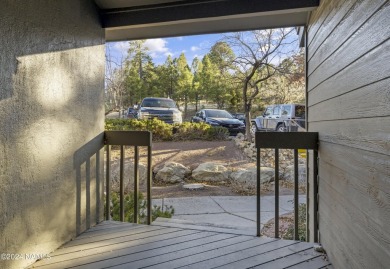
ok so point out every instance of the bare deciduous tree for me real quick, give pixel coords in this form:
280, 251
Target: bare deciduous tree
115, 80
258, 56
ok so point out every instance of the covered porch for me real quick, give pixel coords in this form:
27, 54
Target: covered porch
52, 134
174, 243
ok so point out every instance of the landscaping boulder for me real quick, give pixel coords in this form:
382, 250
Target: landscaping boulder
211, 172
128, 175
250, 152
240, 136
173, 172
245, 179
289, 173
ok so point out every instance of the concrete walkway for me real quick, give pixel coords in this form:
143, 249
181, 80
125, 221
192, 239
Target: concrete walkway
235, 212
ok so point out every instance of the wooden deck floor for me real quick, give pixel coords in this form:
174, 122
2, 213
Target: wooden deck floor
124, 245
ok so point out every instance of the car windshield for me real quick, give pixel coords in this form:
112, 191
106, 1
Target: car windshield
218, 114
158, 103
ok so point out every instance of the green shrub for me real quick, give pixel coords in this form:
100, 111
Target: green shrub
301, 225
217, 133
191, 131
167, 212
162, 131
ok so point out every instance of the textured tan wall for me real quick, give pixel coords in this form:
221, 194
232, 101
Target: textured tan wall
349, 105
51, 124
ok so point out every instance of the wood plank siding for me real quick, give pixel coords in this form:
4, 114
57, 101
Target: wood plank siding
123, 245
348, 67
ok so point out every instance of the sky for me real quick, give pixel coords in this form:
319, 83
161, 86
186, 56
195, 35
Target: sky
160, 48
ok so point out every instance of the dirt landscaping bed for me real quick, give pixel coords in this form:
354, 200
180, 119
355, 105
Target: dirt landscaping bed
191, 154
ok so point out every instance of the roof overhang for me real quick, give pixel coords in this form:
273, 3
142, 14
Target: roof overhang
140, 19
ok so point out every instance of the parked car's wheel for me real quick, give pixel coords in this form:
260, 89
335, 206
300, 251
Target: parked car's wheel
253, 127
281, 128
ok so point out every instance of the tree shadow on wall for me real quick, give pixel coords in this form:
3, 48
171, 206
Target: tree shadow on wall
6, 80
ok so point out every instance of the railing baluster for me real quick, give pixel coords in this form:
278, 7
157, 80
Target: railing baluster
308, 201
258, 205
108, 198
121, 186
296, 194
136, 184
149, 187
88, 192
276, 193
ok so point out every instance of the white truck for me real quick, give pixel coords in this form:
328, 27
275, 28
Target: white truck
164, 109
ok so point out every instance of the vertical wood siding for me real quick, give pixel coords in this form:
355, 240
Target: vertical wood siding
349, 105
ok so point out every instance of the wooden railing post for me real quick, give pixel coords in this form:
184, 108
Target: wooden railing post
316, 197
258, 183
149, 186
296, 193
136, 185
276, 192
121, 186
108, 182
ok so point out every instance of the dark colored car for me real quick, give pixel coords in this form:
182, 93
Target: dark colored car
239, 116
131, 113
217, 117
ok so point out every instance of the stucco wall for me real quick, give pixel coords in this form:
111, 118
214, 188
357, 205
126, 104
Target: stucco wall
51, 124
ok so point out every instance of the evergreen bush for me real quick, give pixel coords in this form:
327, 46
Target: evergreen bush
162, 131
157, 211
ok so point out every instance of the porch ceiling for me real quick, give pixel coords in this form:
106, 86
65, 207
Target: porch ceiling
138, 19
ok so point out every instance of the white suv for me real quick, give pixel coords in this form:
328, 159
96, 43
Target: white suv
281, 118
